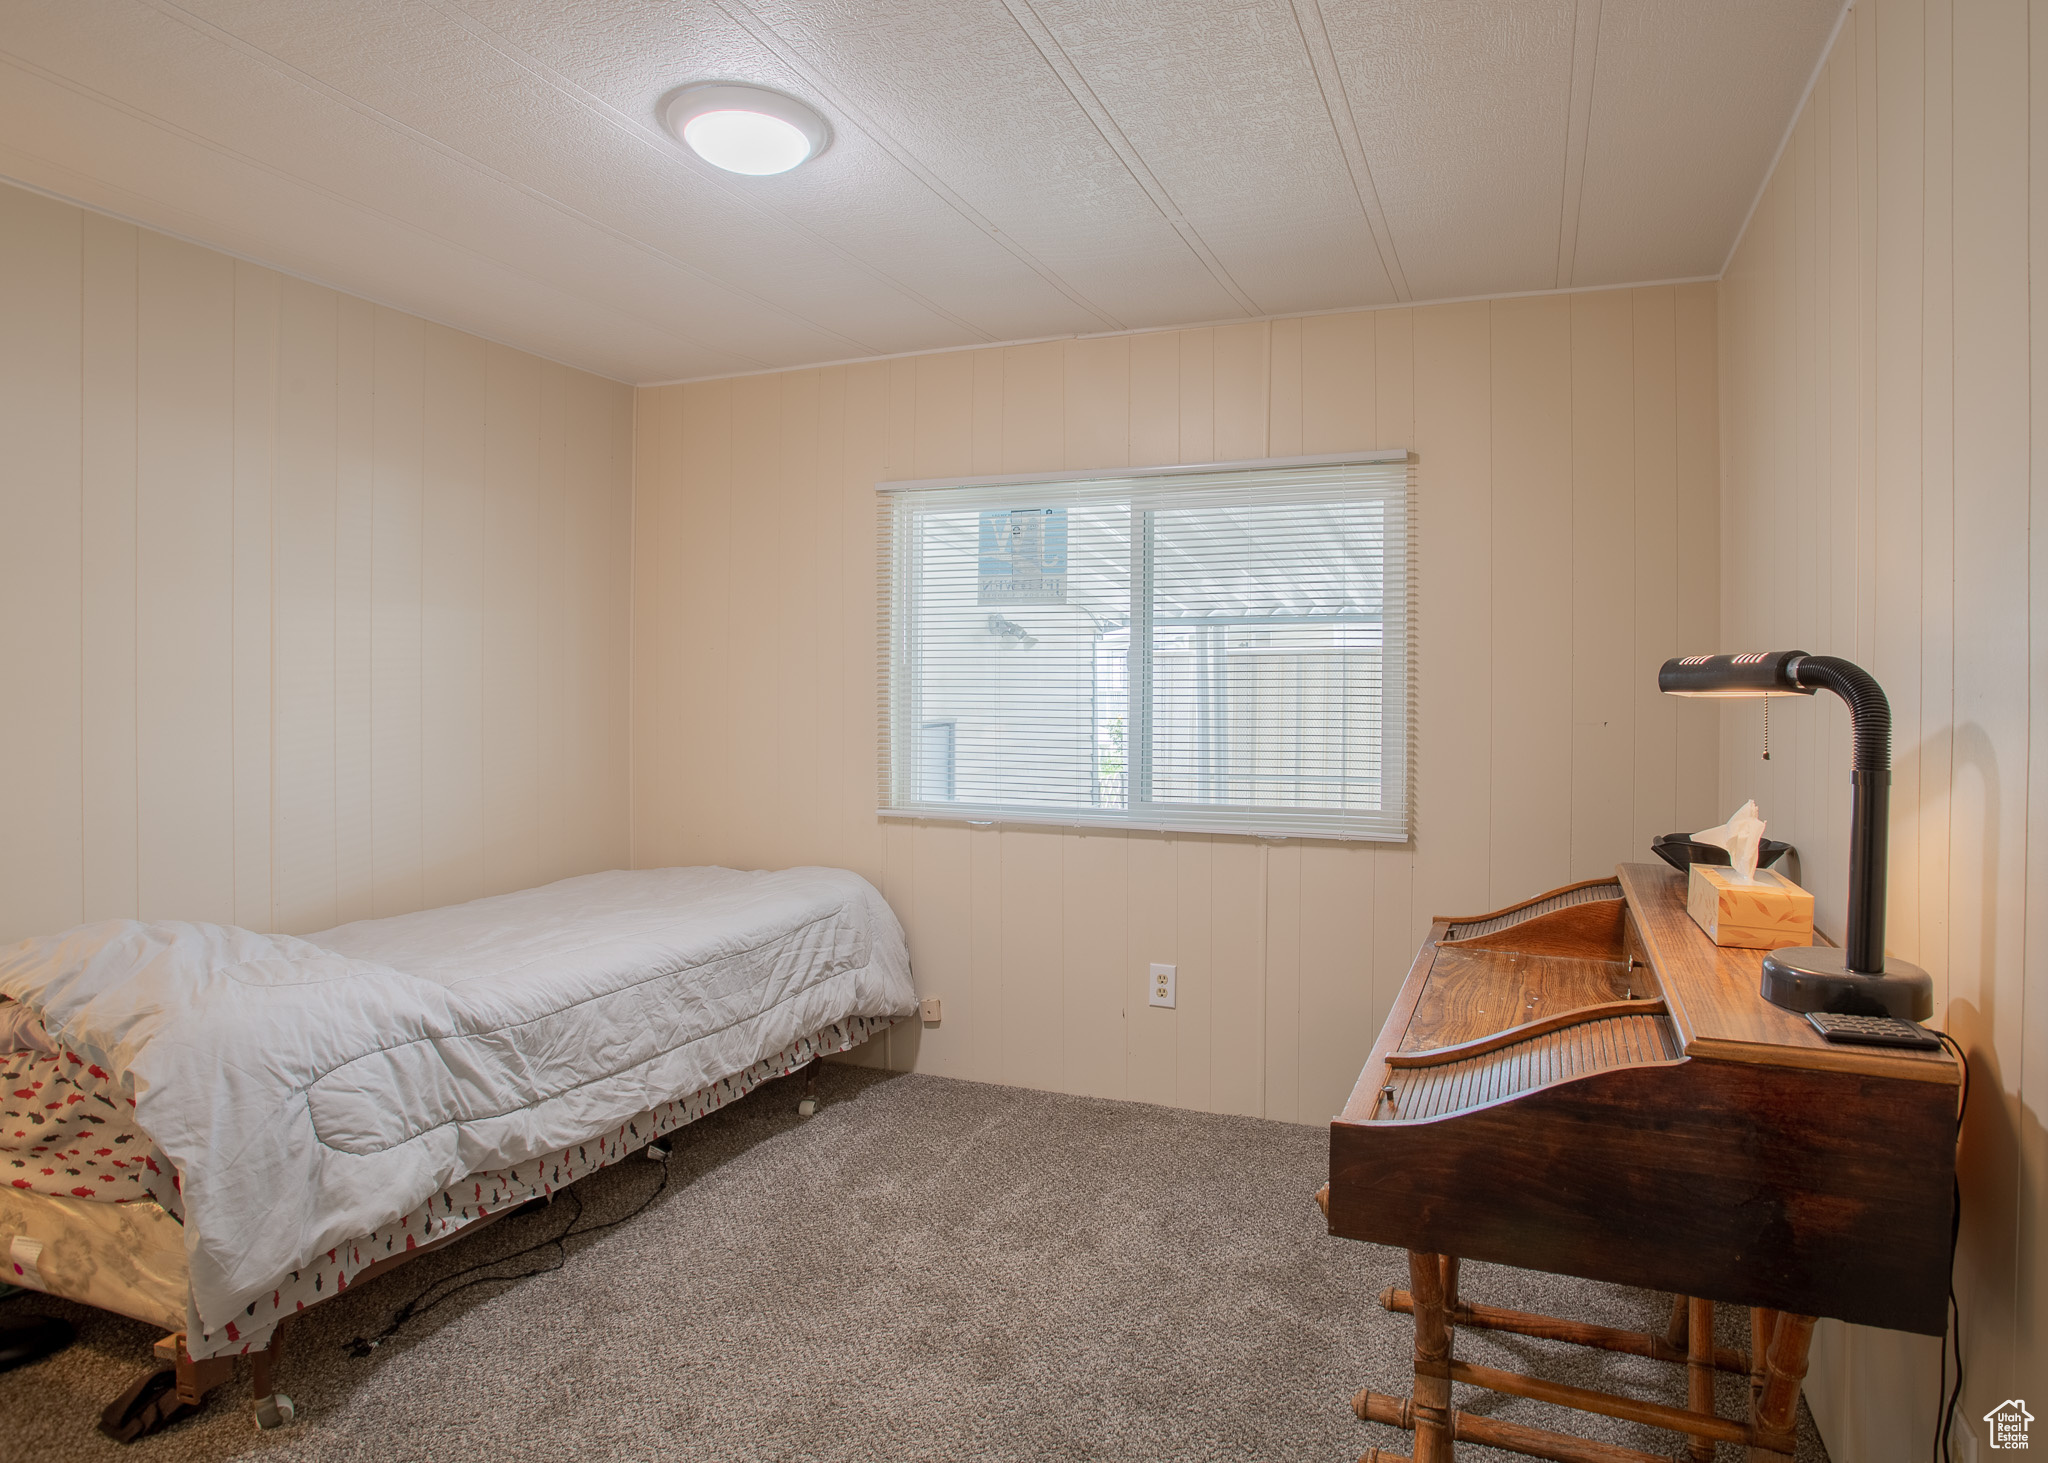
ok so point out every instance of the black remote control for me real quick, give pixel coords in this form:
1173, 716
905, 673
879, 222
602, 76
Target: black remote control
1873, 1031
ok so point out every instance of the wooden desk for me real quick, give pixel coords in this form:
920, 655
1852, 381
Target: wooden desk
1585, 1084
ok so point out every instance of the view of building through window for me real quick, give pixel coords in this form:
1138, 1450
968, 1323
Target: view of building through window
1152, 653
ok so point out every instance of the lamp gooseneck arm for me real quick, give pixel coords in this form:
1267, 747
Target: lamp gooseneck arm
1870, 731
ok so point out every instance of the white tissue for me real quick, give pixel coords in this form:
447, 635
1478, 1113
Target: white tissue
1743, 836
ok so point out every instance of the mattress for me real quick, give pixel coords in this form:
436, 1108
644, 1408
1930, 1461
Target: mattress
304, 1098
127, 1258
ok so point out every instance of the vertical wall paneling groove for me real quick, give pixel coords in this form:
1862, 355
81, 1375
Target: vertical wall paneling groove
184, 582
1278, 877
651, 546
107, 560
1697, 581
551, 549
942, 867
1532, 389
1881, 359
510, 628
688, 582
43, 869
1559, 442
602, 520
797, 648
1456, 711
1095, 377
242, 595
1347, 392
397, 771
308, 607
258, 321
1033, 865
1897, 162
1988, 791
452, 610
1603, 577
1151, 860
668, 748
2030, 1300
1653, 559
1396, 920
1197, 376
1284, 400
355, 486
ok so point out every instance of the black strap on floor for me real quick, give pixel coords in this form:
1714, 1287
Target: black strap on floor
151, 1405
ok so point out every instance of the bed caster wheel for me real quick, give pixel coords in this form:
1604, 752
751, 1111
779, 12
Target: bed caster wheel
274, 1411
808, 1106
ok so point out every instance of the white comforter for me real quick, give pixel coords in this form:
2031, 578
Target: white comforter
311, 1090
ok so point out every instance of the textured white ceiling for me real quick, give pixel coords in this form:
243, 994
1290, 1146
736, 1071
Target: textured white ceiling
1002, 169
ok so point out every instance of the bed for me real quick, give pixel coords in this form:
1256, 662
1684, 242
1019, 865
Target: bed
209, 1129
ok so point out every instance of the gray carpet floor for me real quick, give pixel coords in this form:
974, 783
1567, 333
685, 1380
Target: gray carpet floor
926, 1269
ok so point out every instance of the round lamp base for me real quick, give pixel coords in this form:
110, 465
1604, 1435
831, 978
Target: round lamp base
1817, 978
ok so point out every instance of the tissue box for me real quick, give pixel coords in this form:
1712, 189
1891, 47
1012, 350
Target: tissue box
1768, 915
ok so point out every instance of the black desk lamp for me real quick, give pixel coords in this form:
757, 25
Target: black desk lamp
1856, 979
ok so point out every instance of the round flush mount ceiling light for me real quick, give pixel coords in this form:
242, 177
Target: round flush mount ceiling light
745, 129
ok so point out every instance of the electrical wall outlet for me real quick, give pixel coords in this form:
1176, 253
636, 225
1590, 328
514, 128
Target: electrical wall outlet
928, 1008
1962, 1443
1162, 986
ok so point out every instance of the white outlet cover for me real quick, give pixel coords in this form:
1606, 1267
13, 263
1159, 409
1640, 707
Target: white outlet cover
1962, 1442
1162, 986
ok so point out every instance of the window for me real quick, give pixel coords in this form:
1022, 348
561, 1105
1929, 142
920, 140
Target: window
1221, 649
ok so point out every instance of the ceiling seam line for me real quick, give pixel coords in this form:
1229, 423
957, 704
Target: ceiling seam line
598, 107
1068, 71
278, 64
939, 350
1578, 129
738, 12
1322, 61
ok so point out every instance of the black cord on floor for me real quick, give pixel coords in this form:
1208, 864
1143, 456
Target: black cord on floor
421, 1303
1947, 1398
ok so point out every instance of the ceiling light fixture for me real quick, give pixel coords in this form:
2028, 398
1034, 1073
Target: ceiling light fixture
745, 129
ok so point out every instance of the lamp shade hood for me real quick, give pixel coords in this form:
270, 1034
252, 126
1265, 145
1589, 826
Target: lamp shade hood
1754, 673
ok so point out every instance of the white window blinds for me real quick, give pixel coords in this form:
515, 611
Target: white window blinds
1222, 650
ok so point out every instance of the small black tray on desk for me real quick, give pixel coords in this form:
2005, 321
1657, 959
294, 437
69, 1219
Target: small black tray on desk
1681, 850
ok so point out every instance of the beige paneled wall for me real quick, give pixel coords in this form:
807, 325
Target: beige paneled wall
309, 610
1568, 543
1881, 328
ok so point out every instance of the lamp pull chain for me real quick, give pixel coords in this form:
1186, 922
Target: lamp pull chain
1767, 728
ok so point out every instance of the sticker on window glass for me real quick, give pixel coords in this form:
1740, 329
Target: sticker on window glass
1024, 556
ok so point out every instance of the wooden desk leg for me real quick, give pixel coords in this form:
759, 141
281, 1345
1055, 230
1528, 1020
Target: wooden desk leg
1762, 1321
1432, 1359
1778, 1403
1699, 1372
1450, 1286
1676, 1334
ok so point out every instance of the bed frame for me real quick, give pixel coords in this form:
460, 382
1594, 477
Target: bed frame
199, 1379
271, 1408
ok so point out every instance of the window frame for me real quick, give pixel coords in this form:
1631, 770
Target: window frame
901, 692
